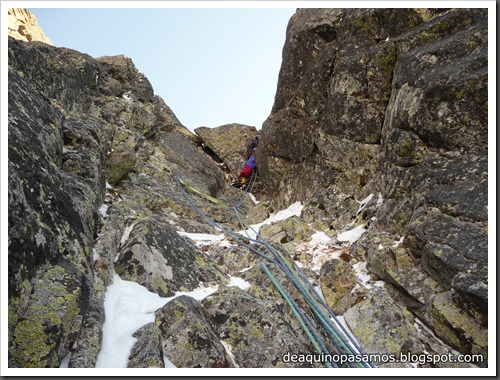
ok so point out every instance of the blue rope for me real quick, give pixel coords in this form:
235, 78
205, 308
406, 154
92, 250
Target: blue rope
282, 264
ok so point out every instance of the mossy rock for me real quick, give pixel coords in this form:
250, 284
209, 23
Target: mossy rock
457, 327
52, 319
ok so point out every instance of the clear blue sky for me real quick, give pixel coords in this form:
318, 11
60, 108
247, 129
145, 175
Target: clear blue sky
211, 66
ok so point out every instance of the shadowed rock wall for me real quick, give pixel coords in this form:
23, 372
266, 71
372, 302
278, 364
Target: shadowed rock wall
392, 102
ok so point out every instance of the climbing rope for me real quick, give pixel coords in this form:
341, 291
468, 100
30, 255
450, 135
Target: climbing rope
304, 290
341, 339
299, 314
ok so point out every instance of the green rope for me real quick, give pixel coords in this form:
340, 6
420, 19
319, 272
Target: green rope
287, 298
291, 275
203, 195
309, 298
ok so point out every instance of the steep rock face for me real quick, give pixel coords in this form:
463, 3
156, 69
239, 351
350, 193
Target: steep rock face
93, 160
93, 157
392, 102
228, 143
23, 26
52, 212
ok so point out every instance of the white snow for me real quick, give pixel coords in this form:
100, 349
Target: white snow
320, 248
362, 273
299, 264
126, 233
294, 209
129, 306
95, 254
254, 200
239, 282
397, 243
319, 237
103, 210
202, 239
229, 352
353, 235
363, 203
128, 95
168, 363
380, 200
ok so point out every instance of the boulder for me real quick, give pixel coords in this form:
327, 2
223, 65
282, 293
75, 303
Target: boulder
258, 337
188, 340
157, 257
227, 144
383, 327
338, 285
147, 351
457, 327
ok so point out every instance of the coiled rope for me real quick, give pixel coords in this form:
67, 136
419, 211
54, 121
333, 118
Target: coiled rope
341, 340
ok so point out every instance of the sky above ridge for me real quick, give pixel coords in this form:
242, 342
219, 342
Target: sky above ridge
212, 66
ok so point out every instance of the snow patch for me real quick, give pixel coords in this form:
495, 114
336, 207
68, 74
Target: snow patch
95, 254
128, 307
319, 237
168, 363
245, 269
299, 264
320, 249
397, 243
202, 239
294, 209
362, 274
239, 282
351, 236
126, 233
254, 200
363, 203
229, 352
128, 96
380, 200
103, 210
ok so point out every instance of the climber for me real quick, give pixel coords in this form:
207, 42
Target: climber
250, 165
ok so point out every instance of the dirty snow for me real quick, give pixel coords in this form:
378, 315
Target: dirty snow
320, 249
